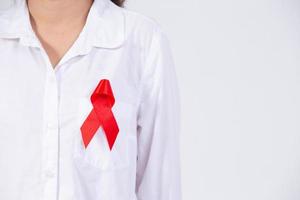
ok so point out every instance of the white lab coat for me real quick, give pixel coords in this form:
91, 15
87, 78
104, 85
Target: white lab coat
42, 156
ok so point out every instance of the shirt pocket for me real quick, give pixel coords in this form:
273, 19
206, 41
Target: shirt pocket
97, 154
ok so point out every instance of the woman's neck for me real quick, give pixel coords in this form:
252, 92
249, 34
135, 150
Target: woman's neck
59, 14
58, 23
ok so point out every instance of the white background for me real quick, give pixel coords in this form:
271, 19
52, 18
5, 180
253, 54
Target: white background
238, 65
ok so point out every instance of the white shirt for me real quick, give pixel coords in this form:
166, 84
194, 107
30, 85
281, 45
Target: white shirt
42, 156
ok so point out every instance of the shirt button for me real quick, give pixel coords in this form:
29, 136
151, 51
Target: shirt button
52, 79
49, 173
50, 125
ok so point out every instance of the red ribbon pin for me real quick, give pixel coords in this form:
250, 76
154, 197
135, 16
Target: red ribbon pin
101, 115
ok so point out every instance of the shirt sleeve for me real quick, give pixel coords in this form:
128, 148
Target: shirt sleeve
158, 126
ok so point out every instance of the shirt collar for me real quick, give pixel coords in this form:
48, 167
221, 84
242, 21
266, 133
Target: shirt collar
104, 28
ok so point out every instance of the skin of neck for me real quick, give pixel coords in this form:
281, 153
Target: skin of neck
60, 15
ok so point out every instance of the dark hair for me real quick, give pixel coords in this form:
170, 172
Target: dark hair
119, 2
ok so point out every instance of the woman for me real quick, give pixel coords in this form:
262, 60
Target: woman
89, 106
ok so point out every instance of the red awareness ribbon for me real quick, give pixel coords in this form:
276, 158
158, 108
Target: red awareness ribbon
101, 115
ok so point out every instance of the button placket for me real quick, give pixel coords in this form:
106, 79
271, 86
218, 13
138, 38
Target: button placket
51, 137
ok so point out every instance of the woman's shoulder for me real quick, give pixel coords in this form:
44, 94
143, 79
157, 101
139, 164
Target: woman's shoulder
142, 28
139, 20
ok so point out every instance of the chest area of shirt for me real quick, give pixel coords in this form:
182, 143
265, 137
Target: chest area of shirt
26, 80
